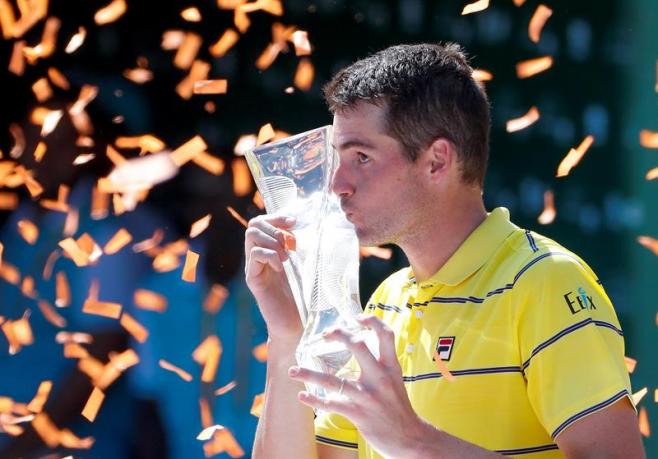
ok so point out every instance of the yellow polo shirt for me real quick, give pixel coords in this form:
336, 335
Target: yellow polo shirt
523, 325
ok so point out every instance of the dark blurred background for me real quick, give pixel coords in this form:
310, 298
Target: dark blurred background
603, 83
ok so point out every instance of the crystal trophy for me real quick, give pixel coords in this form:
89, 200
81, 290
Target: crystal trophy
294, 177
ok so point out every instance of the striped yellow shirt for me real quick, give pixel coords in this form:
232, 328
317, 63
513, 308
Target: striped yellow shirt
525, 328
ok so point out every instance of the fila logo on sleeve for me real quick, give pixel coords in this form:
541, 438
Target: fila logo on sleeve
444, 347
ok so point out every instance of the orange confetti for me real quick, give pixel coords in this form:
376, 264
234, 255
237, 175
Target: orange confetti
137, 330
87, 94
28, 231
76, 41
531, 67
524, 121
8, 200
241, 177
191, 14
273, 7
39, 152
172, 39
225, 42
539, 18
46, 429
188, 50
39, 400
89, 246
18, 333
75, 351
574, 156
225, 389
184, 375
379, 252
257, 405
304, 74
648, 139
10, 273
146, 143
210, 86
17, 59
548, 214
260, 352
46, 47
150, 243
237, 216
199, 71
258, 200
290, 243
443, 368
652, 174
475, 7
42, 90
188, 150
100, 308
200, 226
71, 222
208, 354
69, 440
19, 141
51, 315
93, 404
215, 299
149, 300
138, 75
223, 441
241, 20
208, 162
268, 56
643, 423
651, 244
265, 134
111, 12
302, 45
120, 239
27, 287
205, 412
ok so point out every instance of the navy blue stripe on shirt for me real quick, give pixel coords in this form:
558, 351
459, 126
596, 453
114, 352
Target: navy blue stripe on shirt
385, 307
532, 449
331, 441
565, 332
531, 241
589, 410
473, 371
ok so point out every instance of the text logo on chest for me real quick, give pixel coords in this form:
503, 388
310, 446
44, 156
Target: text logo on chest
578, 301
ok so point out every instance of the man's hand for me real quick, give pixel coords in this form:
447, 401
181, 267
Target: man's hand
265, 242
377, 402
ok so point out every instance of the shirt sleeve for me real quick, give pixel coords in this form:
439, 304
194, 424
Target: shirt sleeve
335, 430
570, 342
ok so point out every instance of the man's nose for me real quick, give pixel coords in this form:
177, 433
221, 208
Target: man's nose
341, 184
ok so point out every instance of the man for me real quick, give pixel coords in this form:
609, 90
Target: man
495, 341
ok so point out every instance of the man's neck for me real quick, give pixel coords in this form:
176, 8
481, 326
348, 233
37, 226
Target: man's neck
440, 238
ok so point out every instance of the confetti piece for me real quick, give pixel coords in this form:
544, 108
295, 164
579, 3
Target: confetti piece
17, 59
51, 315
208, 354
76, 41
150, 243
42, 90
531, 67
443, 368
76, 337
19, 141
100, 308
120, 239
652, 174
18, 333
241, 177
46, 47
7, 19
184, 375
524, 121
475, 7
247, 142
225, 389
237, 216
241, 20
110, 13
147, 143
9, 273
39, 152
518, 2
648, 139
643, 423
188, 150
655, 395
630, 364
260, 352
71, 222
172, 39
205, 412
215, 299
548, 214
165, 262
91, 367
223, 441
93, 404
8, 200
87, 94
257, 405
574, 156
639, 395
75, 351
258, 200
89, 246
51, 121
228, 39
208, 162
268, 56
209, 432
210, 87
27, 287
69, 440
149, 300
302, 45
265, 134
137, 330
651, 244
39, 400
139, 76
289, 90
537, 22
188, 50
290, 243
379, 252
28, 231
191, 14
199, 226
83, 159
199, 71
304, 74
46, 429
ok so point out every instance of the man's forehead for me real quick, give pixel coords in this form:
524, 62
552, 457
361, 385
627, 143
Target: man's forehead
359, 123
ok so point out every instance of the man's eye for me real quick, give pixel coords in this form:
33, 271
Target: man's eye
362, 158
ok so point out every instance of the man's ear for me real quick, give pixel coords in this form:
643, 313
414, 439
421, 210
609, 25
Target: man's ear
439, 158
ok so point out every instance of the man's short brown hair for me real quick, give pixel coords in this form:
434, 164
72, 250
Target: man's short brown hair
428, 92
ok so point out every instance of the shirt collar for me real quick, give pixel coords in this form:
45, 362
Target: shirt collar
474, 252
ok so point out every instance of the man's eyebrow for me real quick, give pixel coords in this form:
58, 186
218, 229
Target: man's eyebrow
354, 143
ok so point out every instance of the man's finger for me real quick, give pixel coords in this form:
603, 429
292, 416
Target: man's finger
326, 381
385, 337
260, 257
357, 347
345, 408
